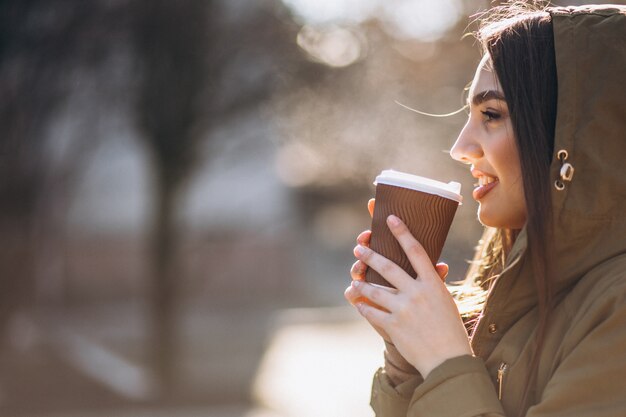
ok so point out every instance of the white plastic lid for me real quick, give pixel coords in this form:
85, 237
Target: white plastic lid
451, 190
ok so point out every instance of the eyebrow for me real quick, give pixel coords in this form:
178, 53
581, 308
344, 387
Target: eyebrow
486, 96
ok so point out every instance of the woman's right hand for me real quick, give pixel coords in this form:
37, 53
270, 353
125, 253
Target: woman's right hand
397, 368
358, 270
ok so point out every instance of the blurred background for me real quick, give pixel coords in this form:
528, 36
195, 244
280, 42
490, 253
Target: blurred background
181, 184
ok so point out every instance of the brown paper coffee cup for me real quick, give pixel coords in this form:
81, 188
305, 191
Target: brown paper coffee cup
426, 206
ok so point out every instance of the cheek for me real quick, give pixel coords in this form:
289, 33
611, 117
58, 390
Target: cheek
507, 158
507, 208
512, 175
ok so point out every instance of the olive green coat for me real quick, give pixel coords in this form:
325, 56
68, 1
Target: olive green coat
582, 368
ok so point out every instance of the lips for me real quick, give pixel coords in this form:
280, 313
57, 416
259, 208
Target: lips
486, 183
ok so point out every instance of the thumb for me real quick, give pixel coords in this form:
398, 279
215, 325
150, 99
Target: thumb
442, 270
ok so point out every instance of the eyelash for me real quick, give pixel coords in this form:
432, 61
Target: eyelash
491, 116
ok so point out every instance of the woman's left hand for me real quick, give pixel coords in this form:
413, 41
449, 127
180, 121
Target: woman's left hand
422, 319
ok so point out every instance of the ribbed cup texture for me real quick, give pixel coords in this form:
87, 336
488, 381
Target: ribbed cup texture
427, 216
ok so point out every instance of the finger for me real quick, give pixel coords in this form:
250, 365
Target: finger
352, 295
442, 269
389, 270
358, 270
414, 250
370, 206
376, 317
364, 238
380, 297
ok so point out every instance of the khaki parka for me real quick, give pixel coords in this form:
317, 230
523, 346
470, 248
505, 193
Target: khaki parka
582, 366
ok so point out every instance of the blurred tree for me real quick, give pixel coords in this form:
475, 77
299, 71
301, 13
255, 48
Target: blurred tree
197, 68
173, 41
43, 45
200, 63
20, 165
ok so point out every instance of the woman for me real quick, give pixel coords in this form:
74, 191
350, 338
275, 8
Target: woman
550, 334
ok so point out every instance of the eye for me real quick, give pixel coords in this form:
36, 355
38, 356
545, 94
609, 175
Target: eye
490, 115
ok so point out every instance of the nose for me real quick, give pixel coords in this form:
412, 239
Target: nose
466, 149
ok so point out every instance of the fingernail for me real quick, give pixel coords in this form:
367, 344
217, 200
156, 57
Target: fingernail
356, 283
359, 250
393, 220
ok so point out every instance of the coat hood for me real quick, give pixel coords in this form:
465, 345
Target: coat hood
588, 170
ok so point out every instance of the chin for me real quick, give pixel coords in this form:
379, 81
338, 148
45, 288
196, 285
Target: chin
500, 219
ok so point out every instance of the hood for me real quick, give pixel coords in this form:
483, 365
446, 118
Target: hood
588, 171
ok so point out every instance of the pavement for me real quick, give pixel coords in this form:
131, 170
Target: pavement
320, 362
290, 362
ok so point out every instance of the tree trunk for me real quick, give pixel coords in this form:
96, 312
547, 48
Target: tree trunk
164, 346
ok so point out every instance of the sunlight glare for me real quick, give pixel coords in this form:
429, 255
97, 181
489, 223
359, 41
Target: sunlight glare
328, 11
426, 20
334, 46
308, 361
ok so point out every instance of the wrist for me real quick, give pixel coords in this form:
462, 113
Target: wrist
397, 368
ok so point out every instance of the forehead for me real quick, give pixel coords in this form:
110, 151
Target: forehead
485, 78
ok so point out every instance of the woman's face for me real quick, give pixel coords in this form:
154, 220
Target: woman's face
488, 144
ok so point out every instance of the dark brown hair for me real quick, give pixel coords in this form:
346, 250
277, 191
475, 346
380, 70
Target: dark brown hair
520, 43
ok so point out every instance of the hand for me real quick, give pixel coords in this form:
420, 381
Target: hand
421, 319
359, 268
